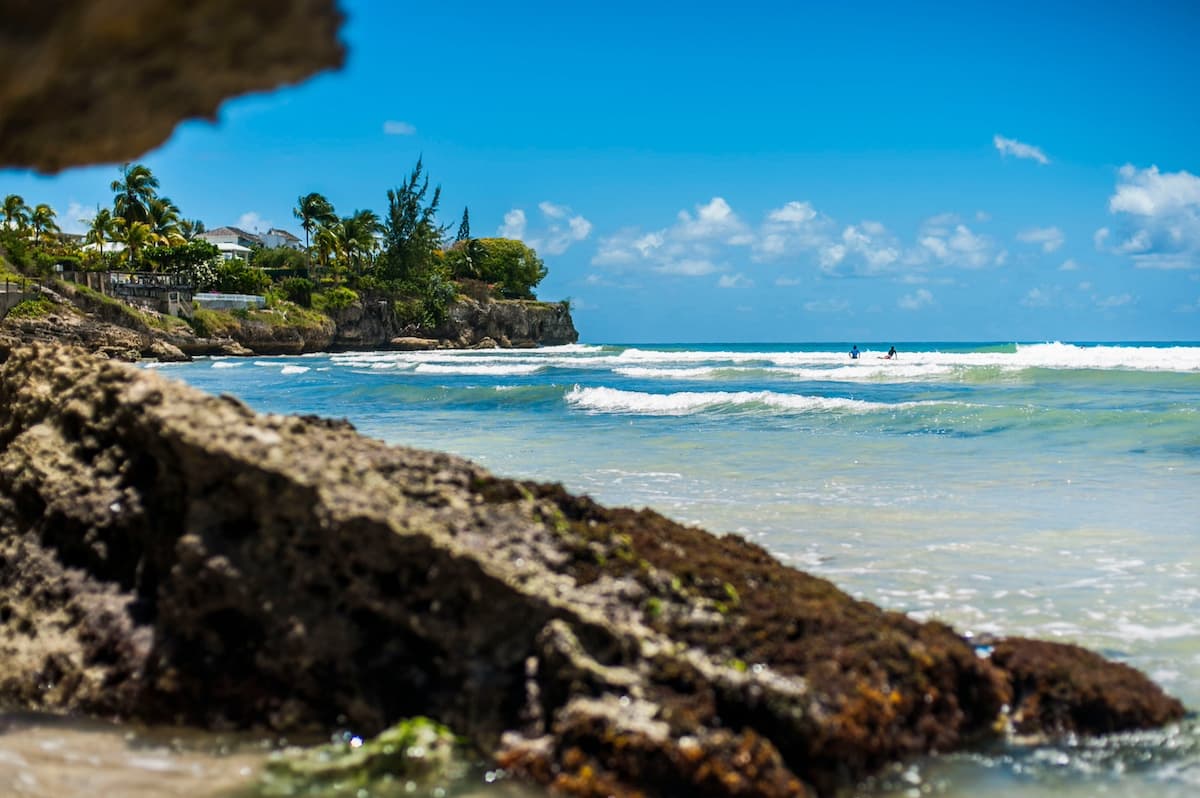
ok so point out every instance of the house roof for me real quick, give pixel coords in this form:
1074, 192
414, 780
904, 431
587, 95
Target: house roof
276, 231
230, 230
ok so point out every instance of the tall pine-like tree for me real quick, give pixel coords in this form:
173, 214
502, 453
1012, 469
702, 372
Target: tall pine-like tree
464, 227
411, 234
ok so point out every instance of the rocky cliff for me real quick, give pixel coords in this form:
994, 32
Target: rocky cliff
469, 322
115, 329
171, 556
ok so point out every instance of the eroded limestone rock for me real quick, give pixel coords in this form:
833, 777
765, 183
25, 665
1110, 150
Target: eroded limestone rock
95, 81
171, 556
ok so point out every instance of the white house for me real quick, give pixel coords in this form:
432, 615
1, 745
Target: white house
232, 251
278, 237
231, 235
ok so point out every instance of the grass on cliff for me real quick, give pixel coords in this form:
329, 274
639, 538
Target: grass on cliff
210, 323
132, 315
32, 308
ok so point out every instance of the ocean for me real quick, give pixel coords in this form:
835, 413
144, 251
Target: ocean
1049, 490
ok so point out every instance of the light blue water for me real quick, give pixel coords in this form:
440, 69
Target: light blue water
1048, 490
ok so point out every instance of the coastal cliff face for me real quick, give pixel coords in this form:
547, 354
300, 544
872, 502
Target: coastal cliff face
171, 556
112, 328
511, 322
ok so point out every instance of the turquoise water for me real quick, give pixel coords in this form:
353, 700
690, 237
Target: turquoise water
1050, 490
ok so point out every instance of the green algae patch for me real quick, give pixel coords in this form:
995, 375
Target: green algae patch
416, 755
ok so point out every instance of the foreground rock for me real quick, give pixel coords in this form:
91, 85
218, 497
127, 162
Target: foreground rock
94, 81
171, 556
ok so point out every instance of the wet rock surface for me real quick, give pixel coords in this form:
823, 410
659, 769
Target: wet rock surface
170, 556
94, 81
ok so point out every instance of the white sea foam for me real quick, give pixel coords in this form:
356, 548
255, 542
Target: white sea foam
294, 369
919, 363
614, 400
889, 372
227, 364
500, 370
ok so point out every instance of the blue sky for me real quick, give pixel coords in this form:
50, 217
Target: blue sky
864, 172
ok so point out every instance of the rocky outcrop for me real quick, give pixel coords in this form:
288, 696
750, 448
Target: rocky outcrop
469, 322
94, 81
111, 327
65, 325
171, 556
510, 323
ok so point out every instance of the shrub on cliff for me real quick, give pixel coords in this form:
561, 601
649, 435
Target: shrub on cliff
510, 264
237, 277
334, 299
298, 290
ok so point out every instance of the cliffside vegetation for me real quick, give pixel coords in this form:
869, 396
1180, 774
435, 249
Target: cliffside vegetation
403, 258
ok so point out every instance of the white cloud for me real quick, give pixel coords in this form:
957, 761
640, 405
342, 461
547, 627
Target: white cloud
1049, 238
784, 282
553, 211
1114, 301
871, 241
793, 213
559, 230
1036, 298
514, 225
252, 222
687, 267
77, 218
738, 280
1019, 149
955, 246
394, 127
1069, 265
1158, 218
826, 306
921, 298
1148, 192
712, 220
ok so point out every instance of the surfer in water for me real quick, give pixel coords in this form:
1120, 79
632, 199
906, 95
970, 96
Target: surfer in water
891, 354
854, 352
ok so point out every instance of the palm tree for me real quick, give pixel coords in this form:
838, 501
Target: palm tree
163, 218
134, 191
190, 228
313, 211
41, 220
356, 236
16, 212
327, 243
135, 236
101, 229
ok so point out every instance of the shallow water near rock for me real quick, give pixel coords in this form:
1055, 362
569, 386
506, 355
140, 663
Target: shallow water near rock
1044, 490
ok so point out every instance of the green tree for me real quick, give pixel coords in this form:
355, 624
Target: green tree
136, 236
464, 228
16, 212
411, 235
133, 192
182, 258
100, 229
163, 217
313, 211
512, 265
190, 228
356, 236
41, 220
